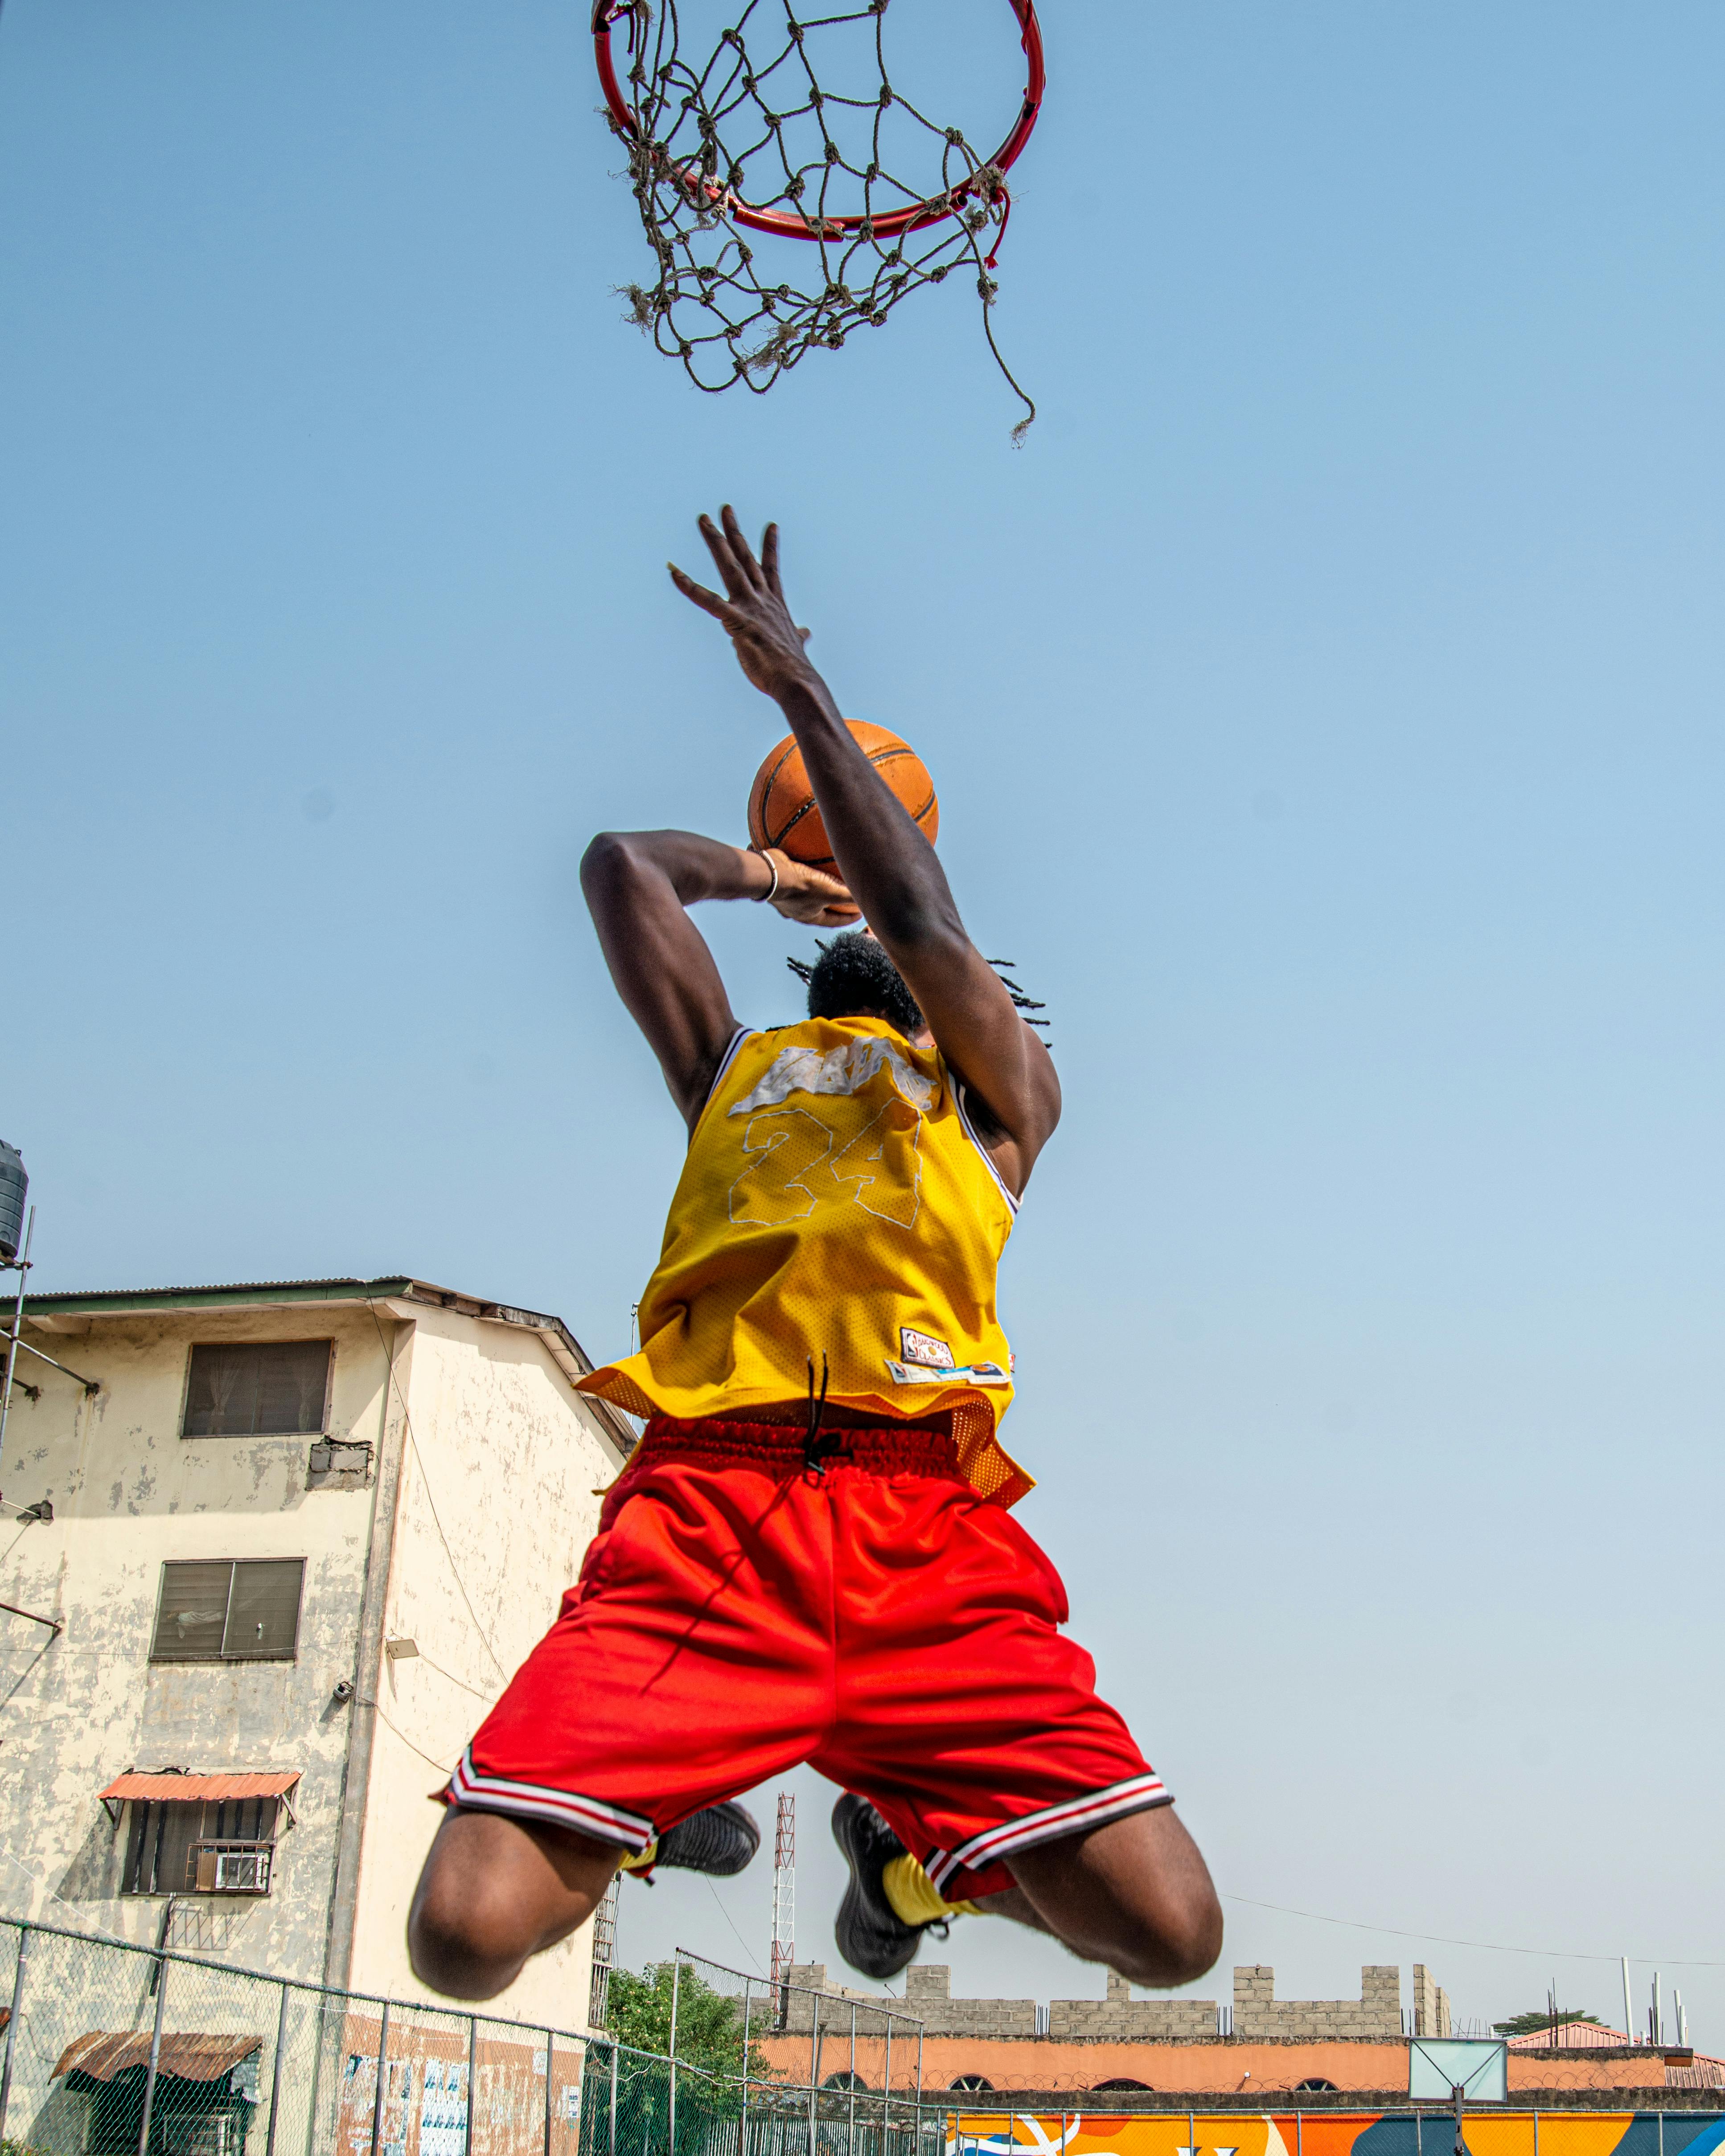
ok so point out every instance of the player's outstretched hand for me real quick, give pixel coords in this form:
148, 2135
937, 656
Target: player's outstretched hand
805, 894
752, 613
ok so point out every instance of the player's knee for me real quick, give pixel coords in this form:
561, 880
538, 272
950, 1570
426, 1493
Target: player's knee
464, 1939
1179, 1942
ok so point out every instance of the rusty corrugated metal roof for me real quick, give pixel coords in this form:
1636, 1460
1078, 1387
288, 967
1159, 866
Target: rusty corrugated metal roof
197, 1788
188, 2057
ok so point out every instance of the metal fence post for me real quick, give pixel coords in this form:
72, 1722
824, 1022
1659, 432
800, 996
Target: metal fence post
17, 2000
851, 2122
155, 2057
1299, 2136
473, 2077
614, 2097
549, 2046
377, 2093
814, 2065
275, 2074
672, 2124
742, 2130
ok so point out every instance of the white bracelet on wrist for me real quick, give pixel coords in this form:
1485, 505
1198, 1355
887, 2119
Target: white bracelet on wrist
766, 897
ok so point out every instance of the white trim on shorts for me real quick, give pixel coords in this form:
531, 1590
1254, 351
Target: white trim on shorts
475, 1791
1075, 1816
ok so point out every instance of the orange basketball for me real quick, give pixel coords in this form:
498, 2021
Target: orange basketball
782, 810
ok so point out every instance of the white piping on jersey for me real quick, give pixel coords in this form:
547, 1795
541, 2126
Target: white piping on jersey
845, 1069
987, 1158
742, 1034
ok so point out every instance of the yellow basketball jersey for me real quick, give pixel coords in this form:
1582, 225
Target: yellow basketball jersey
835, 1202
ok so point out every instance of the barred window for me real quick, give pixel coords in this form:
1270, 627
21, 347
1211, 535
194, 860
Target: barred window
259, 1389
243, 1609
199, 1847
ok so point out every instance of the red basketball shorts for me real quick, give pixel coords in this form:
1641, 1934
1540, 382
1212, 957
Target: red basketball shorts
738, 1612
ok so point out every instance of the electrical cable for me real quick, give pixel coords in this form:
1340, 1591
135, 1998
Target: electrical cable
1480, 1946
735, 1933
488, 1698
431, 1501
361, 1700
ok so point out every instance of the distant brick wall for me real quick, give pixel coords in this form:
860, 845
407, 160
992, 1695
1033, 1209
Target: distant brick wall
1431, 2003
928, 1996
1125, 2019
1259, 2015
1258, 2012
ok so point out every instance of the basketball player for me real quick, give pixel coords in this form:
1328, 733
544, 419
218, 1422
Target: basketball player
810, 1554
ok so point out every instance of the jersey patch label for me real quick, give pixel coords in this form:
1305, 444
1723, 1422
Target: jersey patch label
846, 1068
973, 1374
915, 1347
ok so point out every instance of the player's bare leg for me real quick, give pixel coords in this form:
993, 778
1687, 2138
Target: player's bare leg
1135, 1894
496, 1890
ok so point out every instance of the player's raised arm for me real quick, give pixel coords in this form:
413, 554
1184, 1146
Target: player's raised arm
888, 865
637, 886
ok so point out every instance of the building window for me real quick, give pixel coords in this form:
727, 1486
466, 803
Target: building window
259, 1389
200, 1847
1123, 2082
1316, 2086
229, 1610
971, 2082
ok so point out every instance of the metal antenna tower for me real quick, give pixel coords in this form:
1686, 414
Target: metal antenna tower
784, 1892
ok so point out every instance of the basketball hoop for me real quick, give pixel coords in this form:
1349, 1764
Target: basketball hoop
714, 151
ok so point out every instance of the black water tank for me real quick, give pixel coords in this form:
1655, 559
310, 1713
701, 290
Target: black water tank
13, 1185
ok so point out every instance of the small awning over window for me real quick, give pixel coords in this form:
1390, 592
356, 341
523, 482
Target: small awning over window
189, 2058
195, 1788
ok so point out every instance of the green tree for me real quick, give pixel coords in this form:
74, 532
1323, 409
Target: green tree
709, 2024
1529, 2024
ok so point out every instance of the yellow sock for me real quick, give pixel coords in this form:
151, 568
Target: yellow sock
643, 1862
915, 1898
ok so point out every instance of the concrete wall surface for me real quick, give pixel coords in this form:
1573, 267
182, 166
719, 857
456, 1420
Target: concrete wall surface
497, 1500
476, 1420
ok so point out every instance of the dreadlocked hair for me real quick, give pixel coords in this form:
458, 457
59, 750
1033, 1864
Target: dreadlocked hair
805, 973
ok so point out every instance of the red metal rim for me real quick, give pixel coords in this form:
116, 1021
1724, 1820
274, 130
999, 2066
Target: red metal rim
784, 225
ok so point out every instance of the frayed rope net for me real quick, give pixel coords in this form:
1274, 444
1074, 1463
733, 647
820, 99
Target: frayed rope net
749, 134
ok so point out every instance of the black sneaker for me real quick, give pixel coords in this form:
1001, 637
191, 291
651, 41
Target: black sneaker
719, 1841
872, 1936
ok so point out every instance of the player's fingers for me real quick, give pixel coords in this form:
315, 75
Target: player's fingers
741, 551
708, 601
735, 582
769, 559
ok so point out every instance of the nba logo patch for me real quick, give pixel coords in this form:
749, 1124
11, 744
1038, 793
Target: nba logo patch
914, 1347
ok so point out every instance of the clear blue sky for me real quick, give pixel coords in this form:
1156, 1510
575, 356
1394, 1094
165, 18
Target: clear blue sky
1325, 705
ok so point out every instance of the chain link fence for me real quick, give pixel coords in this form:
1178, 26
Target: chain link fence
114, 2050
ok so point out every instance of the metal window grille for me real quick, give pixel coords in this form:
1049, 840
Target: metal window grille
259, 1389
196, 1847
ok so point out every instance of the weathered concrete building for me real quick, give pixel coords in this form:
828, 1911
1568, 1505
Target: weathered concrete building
264, 1576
